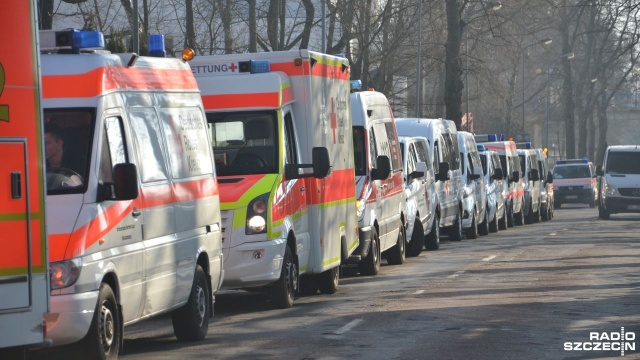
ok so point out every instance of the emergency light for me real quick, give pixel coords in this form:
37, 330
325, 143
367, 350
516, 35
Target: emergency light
524, 145
71, 40
486, 138
156, 45
481, 147
254, 66
355, 85
573, 161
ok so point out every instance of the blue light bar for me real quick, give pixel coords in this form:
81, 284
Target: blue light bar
524, 145
502, 137
493, 137
86, 40
260, 66
356, 84
156, 45
573, 161
481, 147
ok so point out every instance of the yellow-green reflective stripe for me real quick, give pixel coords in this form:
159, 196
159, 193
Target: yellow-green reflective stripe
329, 61
21, 216
353, 245
22, 270
336, 203
262, 186
275, 224
331, 261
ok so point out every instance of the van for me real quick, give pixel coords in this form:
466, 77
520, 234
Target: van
513, 186
531, 178
281, 130
381, 206
493, 184
546, 186
420, 190
443, 146
475, 219
619, 181
133, 207
576, 182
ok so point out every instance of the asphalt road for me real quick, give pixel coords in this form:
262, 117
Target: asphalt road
523, 293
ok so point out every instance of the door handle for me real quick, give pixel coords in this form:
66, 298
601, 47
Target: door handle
136, 212
302, 189
16, 185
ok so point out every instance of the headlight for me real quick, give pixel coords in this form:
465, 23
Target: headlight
610, 190
360, 205
257, 215
64, 273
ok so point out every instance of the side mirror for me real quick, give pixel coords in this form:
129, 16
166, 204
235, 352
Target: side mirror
443, 172
599, 170
415, 175
383, 169
422, 167
534, 175
549, 177
497, 174
516, 176
473, 177
125, 181
320, 164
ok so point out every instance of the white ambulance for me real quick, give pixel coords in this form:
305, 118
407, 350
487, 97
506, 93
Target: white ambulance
281, 133
132, 199
24, 289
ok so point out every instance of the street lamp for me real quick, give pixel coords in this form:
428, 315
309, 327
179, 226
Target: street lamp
418, 77
568, 56
545, 41
490, 6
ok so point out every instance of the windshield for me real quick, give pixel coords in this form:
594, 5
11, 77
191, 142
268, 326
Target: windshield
245, 142
67, 137
359, 150
571, 172
623, 162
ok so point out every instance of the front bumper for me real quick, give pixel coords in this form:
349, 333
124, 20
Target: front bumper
468, 205
621, 204
70, 317
362, 250
574, 196
253, 264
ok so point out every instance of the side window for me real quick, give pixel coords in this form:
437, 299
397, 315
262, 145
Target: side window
187, 145
436, 156
411, 160
291, 152
373, 150
113, 148
396, 160
455, 159
146, 131
422, 153
471, 166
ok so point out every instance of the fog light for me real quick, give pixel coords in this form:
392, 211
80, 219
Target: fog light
257, 255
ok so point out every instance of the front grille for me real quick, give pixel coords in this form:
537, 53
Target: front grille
633, 192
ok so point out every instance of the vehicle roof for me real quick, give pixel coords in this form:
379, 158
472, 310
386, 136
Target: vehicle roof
624, 148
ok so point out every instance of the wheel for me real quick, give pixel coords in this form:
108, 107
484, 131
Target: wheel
493, 224
472, 232
511, 221
502, 222
557, 205
528, 219
519, 217
191, 322
370, 265
455, 230
104, 338
396, 255
308, 284
603, 213
329, 280
544, 211
284, 290
417, 239
592, 203
432, 240
483, 229
536, 215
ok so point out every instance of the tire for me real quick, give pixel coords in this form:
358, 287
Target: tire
417, 239
536, 215
503, 222
284, 290
455, 230
329, 280
557, 205
396, 255
472, 232
544, 210
104, 339
493, 224
432, 240
511, 220
308, 285
519, 217
370, 265
191, 322
483, 229
592, 203
528, 219
603, 213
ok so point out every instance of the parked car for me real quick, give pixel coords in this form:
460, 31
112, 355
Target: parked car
546, 186
475, 219
575, 181
620, 181
531, 177
445, 153
381, 200
493, 184
422, 224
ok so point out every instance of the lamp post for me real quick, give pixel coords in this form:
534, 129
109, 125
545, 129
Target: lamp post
568, 56
545, 41
418, 77
491, 6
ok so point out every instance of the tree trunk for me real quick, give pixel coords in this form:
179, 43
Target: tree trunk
253, 27
308, 24
46, 14
567, 93
602, 128
272, 24
190, 40
453, 69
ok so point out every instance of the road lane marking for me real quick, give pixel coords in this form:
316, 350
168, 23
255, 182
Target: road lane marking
489, 258
552, 234
348, 327
418, 292
456, 274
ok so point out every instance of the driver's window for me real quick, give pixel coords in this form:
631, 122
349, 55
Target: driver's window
113, 149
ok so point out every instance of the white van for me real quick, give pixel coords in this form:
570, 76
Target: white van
420, 189
493, 184
132, 198
475, 218
379, 185
619, 181
531, 177
443, 145
546, 186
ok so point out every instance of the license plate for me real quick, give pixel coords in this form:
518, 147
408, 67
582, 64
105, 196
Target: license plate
572, 196
633, 207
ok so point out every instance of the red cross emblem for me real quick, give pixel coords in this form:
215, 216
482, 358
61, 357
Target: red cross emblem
233, 67
334, 121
